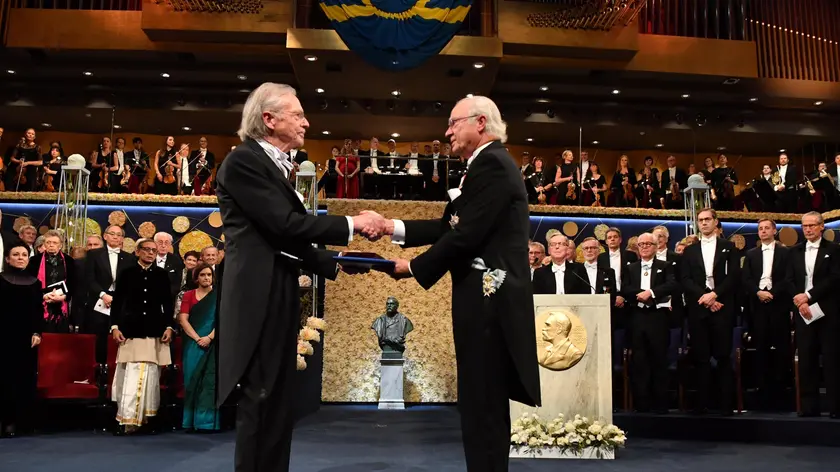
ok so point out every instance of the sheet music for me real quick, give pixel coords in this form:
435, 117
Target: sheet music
101, 308
816, 313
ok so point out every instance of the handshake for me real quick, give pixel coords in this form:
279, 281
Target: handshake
372, 225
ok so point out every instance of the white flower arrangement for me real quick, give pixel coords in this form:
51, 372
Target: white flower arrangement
532, 433
307, 335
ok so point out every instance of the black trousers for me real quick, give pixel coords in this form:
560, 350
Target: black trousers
649, 370
264, 417
100, 325
483, 395
820, 337
771, 337
711, 337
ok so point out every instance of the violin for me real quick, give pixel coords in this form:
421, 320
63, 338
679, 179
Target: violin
628, 189
597, 202
48, 183
169, 177
127, 173
207, 188
570, 191
676, 196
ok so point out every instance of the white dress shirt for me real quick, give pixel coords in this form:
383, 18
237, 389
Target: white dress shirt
435, 164
412, 161
393, 155
837, 180
281, 160
584, 167
113, 260
783, 172
592, 273
615, 265
185, 172
161, 261
647, 273
767, 252
708, 247
559, 278
120, 162
662, 255
672, 172
811, 250
399, 227
373, 164
3, 251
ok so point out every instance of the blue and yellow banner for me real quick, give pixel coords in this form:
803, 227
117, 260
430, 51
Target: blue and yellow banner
396, 34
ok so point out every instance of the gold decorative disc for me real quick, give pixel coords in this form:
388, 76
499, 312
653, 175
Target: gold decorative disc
52, 221
739, 241
601, 231
788, 236
20, 222
829, 235
147, 230
116, 218
129, 245
43, 229
194, 241
222, 239
561, 339
215, 219
92, 227
570, 229
181, 224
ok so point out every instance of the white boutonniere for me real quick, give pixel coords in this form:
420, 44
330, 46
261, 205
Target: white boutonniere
492, 279
453, 220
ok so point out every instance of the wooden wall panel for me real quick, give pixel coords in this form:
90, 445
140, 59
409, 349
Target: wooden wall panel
796, 39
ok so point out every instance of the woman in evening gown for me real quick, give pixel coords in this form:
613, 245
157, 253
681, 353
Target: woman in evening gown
21, 315
347, 165
198, 321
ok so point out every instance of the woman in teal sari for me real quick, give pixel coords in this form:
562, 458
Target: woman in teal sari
197, 318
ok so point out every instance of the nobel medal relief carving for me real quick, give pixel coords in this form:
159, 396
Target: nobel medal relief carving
561, 339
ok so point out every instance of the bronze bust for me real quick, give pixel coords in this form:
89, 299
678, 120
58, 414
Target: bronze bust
391, 328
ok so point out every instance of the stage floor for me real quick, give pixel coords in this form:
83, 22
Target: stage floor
362, 439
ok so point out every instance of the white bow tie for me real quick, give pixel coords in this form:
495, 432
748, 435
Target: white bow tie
591, 265
558, 268
707, 241
768, 247
646, 266
113, 250
810, 246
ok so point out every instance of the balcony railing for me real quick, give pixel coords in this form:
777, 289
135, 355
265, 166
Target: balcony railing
107, 5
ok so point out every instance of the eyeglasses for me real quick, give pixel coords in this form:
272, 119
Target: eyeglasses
557, 245
644, 244
593, 248
452, 121
147, 249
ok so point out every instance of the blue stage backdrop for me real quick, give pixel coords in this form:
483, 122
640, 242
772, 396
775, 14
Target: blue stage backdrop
396, 34
200, 228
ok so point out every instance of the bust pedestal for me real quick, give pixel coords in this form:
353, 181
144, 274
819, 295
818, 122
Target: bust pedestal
391, 367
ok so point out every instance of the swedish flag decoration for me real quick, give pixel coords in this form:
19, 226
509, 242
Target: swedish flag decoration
396, 34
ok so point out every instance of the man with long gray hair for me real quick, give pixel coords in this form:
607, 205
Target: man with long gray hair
483, 233
269, 237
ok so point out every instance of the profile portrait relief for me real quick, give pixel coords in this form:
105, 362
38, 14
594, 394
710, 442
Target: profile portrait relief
557, 351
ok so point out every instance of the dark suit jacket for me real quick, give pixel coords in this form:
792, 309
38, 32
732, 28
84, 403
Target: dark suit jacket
575, 280
792, 177
260, 280
754, 267
301, 156
681, 178
663, 283
492, 224
98, 276
173, 267
826, 276
142, 305
208, 167
364, 157
604, 282
626, 257
725, 272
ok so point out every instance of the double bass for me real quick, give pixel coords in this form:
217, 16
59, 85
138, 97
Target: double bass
207, 188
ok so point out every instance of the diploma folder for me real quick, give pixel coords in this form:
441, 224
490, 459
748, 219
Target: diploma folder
366, 262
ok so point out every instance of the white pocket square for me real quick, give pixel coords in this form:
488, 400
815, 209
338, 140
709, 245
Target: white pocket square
658, 271
827, 256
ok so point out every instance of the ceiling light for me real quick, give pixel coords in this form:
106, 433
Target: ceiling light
242, 77
686, 95
543, 100
616, 91
659, 145
165, 75
782, 150
46, 125
319, 90
753, 99
186, 128
87, 73
478, 65
325, 133
818, 102
721, 148
469, 95
10, 71
117, 126
244, 91
395, 135
396, 93
594, 142
311, 58
530, 140
642, 133
544, 88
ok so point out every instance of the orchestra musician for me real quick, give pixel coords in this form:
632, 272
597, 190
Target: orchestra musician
542, 184
833, 171
724, 180
647, 188
674, 181
623, 183
786, 189
202, 163
137, 162
564, 180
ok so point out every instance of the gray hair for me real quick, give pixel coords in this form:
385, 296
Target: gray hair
51, 234
39, 241
816, 214
652, 238
267, 97
162, 234
480, 105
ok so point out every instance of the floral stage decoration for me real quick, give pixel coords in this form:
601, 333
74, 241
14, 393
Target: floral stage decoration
578, 438
311, 332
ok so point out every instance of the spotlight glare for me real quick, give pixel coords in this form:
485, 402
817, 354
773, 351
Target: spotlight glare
242, 77
478, 65
87, 73
659, 145
186, 128
686, 95
165, 75
544, 88
325, 133
311, 58
753, 99
616, 91
46, 125
530, 140
319, 90
395, 135
818, 102
396, 93
594, 142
